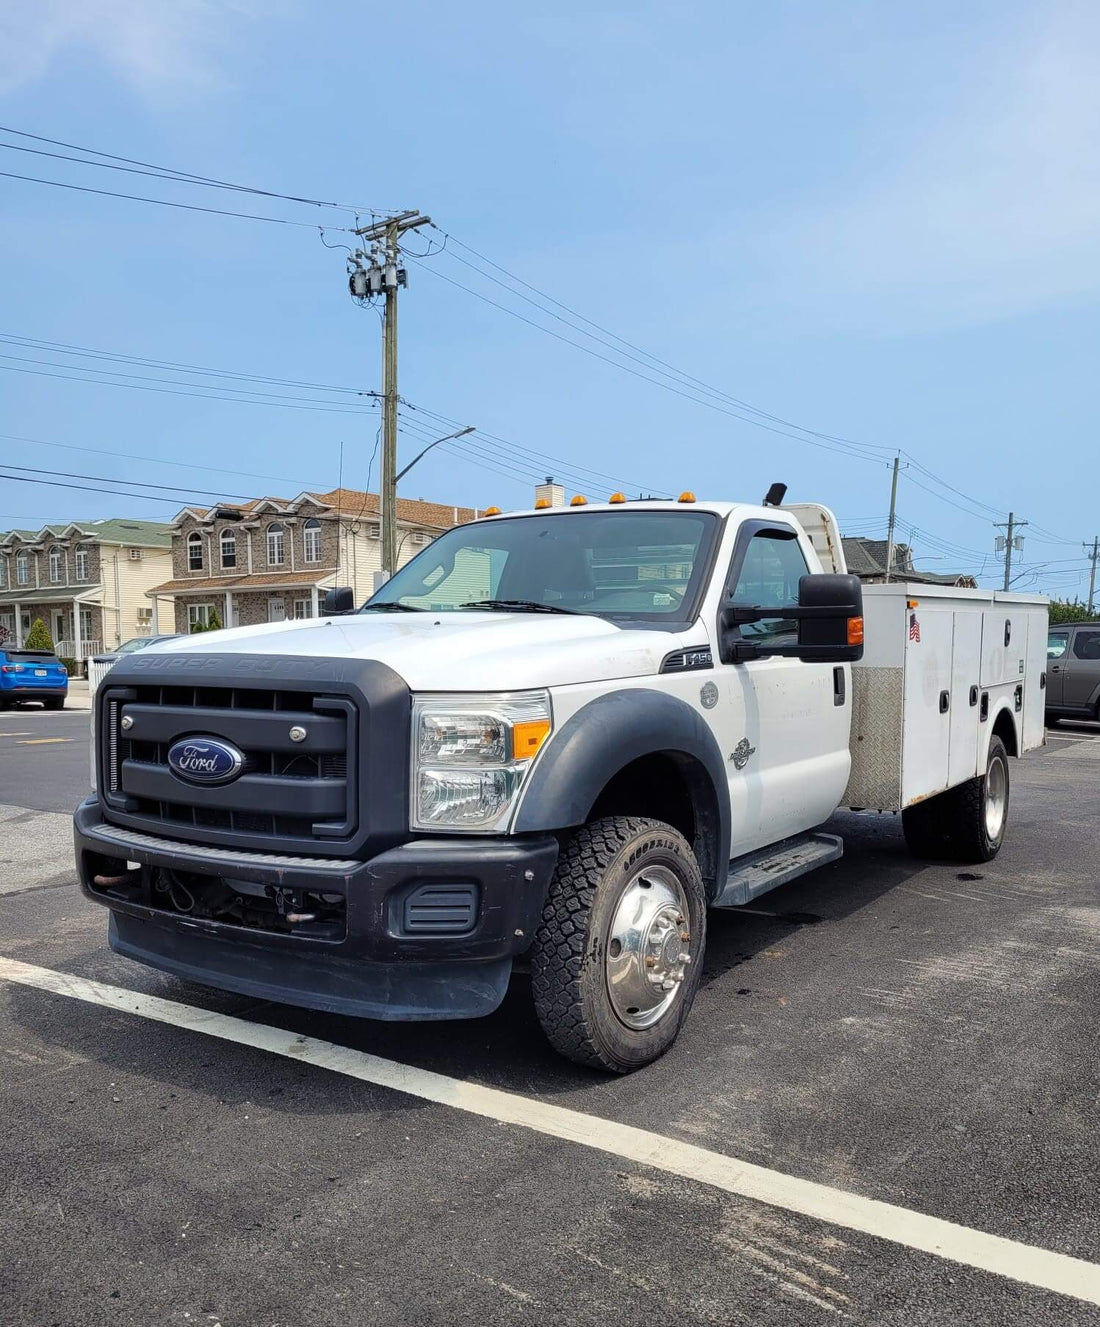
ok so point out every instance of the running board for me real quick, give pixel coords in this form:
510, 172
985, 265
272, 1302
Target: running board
767, 868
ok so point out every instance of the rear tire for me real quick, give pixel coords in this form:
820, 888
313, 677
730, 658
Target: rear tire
53, 704
618, 954
967, 823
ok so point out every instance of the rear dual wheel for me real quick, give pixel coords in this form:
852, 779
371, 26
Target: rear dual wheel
966, 823
617, 957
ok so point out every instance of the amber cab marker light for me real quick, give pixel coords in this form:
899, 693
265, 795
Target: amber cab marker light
617, 497
855, 631
528, 737
686, 496
541, 503
491, 511
579, 501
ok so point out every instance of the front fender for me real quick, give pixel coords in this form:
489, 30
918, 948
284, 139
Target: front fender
604, 737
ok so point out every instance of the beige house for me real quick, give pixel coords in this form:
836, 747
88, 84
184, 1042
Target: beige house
88, 581
271, 559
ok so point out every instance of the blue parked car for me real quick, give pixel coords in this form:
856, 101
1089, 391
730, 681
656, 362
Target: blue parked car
32, 675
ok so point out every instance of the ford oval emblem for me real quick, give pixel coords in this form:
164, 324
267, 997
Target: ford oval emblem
205, 760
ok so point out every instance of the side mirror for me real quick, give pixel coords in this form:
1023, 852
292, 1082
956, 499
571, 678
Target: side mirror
339, 601
829, 614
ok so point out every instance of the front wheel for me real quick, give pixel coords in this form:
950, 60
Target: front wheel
966, 823
618, 954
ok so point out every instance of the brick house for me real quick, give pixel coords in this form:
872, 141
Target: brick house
87, 581
271, 559
866, 558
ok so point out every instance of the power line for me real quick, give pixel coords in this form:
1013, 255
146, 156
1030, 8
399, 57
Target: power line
85, 488
161, 172
201, 395
301, 484
163, 202
113, 479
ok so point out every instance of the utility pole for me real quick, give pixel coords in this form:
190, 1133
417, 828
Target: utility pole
1009, 541
893, 517
1093, 553
374, 272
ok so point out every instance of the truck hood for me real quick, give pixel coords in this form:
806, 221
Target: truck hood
459, 651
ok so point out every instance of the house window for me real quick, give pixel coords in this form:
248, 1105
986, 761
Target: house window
229, 548
22, 570
311, 540
275, 549
81, 560
3, 572
198, 615
55, 564
303, 608
194, 552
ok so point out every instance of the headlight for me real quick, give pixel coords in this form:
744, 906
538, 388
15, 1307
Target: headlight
470, 755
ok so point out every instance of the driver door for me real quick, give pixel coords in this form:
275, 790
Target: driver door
783, 724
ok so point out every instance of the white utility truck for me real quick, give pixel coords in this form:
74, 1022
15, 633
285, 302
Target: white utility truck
555, 736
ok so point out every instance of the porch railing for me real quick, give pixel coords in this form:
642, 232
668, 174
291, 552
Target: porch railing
66, 649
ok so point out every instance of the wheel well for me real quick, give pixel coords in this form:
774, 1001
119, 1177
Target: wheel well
675, 788
1005, 728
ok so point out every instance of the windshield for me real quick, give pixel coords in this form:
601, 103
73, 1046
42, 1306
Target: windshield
623, 565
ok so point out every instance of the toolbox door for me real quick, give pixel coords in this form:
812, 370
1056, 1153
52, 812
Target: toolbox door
966, 659
926, 733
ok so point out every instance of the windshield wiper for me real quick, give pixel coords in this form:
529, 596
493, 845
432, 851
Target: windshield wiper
391, 606
521, 606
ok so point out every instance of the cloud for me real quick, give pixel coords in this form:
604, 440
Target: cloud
995, 213
151, 45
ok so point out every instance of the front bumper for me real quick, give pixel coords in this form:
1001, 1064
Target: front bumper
378, 969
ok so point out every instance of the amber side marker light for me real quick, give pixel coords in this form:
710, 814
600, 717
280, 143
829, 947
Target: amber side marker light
686, 496
855, 631
579, 501
491, 511
528, 737
911, 603
617, 497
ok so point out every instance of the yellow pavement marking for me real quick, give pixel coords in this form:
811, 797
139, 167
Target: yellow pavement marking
1026, 1264
44, 741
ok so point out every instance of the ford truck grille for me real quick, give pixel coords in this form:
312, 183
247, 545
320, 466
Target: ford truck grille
299, 788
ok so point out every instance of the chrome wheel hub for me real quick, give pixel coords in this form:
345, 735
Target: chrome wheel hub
996, 798
648, 948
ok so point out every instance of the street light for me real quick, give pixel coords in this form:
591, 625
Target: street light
450, 436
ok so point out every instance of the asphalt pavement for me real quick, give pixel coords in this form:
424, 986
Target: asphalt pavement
921, 1035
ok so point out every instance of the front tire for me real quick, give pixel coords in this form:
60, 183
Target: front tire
967, 823
618, 954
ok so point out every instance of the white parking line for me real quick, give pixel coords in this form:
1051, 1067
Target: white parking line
943, 1239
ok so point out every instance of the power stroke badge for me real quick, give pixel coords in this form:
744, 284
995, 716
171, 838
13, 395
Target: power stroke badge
205, 760
741, 753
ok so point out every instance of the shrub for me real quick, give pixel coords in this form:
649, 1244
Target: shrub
72, 666
38, 638
215, 622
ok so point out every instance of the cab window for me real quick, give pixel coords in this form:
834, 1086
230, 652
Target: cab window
769, 575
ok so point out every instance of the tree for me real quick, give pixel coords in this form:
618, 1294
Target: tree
1065, 610
39, 638
214, 622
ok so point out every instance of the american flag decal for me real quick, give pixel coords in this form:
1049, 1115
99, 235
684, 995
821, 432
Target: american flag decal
914, 628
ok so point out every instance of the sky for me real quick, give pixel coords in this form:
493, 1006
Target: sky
825, 234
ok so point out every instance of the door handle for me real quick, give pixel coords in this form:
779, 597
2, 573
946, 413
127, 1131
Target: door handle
838, 685
1055, 668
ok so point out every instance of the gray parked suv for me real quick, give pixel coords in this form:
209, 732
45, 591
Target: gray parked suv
1073, 671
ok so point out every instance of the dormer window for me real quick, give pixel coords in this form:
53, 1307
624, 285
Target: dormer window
55, 564
311, 540
229, 548
194, 551
276, 545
